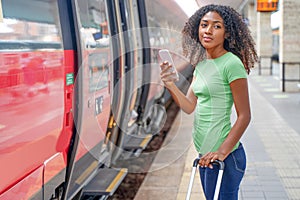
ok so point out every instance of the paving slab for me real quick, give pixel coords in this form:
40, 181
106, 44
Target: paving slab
272, 144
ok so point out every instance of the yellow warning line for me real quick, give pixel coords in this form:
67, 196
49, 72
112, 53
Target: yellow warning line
144, 142
87, 172
116, 179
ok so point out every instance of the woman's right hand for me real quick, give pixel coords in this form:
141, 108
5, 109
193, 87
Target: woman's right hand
187, 102
167, 75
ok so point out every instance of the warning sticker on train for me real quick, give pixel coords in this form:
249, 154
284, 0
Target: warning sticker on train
69, 79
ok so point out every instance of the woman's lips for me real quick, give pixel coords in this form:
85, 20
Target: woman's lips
207, 39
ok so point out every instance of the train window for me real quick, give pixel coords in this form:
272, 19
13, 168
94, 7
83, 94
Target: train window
95, 41
29, 25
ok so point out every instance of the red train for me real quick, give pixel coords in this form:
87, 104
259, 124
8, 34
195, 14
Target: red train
80, 90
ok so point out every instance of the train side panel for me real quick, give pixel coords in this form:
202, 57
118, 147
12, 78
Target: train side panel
36, 98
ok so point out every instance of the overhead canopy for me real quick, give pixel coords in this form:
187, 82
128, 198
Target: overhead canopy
161, 10
236, 4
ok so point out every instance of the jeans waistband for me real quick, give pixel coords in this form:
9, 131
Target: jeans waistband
239, 147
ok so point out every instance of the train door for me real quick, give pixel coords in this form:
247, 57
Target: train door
92, 93
118, 84
152, 114
129, 34
132, 34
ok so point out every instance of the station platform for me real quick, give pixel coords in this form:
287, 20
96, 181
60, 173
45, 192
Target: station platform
271, 142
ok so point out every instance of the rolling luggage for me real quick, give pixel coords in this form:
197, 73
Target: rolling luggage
219, 180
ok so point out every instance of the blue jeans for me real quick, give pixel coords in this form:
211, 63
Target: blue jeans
235, 165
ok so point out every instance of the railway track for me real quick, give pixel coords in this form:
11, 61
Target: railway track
138, 167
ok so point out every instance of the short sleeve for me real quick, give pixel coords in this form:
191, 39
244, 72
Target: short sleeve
234, 70
195, 73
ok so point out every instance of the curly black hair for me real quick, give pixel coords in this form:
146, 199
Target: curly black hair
239, 42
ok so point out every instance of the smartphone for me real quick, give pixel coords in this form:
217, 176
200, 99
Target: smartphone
165, 55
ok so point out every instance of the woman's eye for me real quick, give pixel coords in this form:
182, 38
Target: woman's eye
203, 25
217, 26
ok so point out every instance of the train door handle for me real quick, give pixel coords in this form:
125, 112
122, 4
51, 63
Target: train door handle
89, 103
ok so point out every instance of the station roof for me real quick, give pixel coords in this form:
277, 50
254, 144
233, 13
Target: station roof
236, 4
168, 11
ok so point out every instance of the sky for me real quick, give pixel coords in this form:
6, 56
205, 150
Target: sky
189, 6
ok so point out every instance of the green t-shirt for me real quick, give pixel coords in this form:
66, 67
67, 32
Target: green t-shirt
213, 110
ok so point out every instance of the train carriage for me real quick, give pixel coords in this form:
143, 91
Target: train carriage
79, 91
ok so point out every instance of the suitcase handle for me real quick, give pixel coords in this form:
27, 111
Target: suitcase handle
195, 164
218, 162
196, 161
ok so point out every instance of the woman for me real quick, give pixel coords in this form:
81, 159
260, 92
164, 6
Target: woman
219, 45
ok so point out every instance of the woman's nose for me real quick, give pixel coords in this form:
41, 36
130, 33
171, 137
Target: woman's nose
208, 29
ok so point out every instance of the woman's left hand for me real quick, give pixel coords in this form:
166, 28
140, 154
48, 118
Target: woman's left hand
207, 159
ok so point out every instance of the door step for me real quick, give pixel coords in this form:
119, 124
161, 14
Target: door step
105, 182
135, 142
